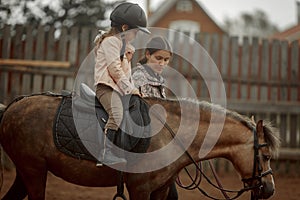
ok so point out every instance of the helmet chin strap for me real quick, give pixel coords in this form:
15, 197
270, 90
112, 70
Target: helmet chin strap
122, 52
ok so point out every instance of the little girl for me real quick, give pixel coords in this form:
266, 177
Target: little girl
113, 70
147, 78
147, 75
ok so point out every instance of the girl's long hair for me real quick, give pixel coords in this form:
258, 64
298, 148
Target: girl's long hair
101, 36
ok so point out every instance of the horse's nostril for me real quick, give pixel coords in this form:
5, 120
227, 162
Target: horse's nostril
267, 190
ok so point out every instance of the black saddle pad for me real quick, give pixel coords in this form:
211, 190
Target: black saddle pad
78, 127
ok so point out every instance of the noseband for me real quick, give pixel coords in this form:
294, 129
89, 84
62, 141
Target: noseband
256, 167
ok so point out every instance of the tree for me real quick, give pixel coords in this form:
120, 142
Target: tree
54, 12
253, 25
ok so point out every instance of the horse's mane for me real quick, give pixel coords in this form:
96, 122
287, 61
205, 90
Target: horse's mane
271, 133
272, 137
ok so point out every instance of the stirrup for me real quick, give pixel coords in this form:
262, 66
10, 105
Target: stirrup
120, 188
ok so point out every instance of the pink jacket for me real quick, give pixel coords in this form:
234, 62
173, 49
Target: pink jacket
109, 69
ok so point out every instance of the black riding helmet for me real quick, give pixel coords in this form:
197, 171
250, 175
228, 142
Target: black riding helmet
130, 14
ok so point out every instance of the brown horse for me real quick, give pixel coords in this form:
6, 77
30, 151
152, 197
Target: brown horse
26, 136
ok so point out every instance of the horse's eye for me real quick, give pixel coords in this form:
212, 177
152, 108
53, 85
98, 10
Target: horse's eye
266, 157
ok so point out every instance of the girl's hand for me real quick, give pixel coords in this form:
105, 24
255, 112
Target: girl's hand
129, 55
136, 92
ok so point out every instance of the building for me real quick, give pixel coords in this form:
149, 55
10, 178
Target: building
292, 33
187, 16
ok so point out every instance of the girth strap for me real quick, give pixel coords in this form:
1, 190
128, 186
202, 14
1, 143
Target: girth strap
120, 187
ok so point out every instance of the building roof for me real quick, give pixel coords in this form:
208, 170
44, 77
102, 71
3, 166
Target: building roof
290, 34
161, 11
166, 5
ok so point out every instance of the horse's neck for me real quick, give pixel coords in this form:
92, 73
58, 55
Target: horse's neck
225, 145
193, 127
233, 136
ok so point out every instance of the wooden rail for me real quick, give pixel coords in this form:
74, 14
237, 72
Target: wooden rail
34, 63
289, 154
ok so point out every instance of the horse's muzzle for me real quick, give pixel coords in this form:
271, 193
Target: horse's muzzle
266, 191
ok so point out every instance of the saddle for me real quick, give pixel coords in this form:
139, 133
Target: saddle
80, 120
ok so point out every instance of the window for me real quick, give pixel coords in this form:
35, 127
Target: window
185, 26
184, 6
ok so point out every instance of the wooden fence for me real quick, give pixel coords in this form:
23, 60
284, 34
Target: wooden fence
261, 77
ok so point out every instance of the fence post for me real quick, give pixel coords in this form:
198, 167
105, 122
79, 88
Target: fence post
204, 63
73, 45
284, 70
274, 70
244, 70
234, 67
294, 72
62, 46
50, 48
254, 69
264, 69
225, 61
17, 54
39, 55
6, 49
51, 44
84, 44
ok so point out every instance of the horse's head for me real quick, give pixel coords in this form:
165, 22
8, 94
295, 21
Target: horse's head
254, 162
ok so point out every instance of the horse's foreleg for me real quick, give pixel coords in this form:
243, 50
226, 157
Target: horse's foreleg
136, 193
160, 194
139, 195
17, 191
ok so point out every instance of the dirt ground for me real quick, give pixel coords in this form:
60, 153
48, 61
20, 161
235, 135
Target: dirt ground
287, 188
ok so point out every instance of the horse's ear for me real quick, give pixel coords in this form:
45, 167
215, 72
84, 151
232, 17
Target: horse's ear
260, 128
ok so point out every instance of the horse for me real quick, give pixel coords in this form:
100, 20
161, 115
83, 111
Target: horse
26, 137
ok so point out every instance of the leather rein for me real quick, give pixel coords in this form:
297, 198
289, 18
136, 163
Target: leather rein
196, 182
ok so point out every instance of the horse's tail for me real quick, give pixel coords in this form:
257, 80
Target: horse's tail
2, 109
1, 169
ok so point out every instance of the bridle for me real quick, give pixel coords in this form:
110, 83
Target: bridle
255, 176
257, 167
